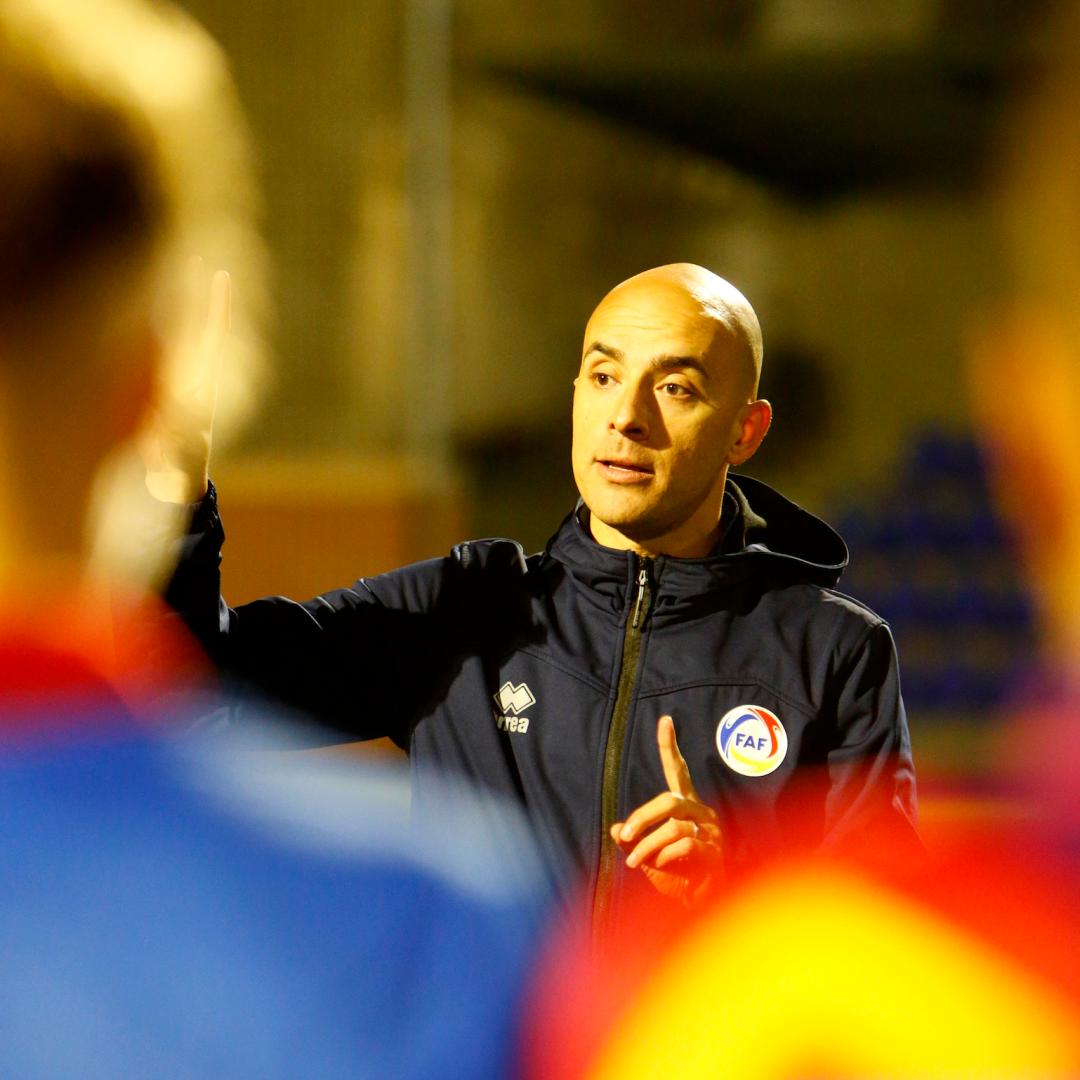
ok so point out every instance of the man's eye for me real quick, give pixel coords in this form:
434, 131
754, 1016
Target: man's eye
675, 390
602, 378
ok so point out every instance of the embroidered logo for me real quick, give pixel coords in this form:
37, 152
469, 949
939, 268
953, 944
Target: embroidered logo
751, 740
512, 701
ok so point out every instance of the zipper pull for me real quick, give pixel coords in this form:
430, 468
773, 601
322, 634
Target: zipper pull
642, 585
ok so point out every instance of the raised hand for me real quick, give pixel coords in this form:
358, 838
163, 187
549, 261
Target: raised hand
177, 448
674, 839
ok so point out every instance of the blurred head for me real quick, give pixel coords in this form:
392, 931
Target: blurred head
1025, 348
1024, 354
82, 220
82, 214
121, 154
664, 403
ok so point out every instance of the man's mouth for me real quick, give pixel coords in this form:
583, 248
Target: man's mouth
623, 469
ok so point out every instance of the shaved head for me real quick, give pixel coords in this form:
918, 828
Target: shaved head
709, 297
664, 402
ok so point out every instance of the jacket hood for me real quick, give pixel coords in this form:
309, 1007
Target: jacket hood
812, 550
770, 537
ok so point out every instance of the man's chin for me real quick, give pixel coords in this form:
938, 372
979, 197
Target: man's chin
637, 528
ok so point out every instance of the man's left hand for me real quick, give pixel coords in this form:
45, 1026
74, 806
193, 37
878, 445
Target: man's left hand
674, 839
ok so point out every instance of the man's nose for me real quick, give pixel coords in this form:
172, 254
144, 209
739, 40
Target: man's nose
631, 416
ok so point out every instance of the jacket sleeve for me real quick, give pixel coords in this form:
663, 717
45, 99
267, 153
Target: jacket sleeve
362, 660
870, 807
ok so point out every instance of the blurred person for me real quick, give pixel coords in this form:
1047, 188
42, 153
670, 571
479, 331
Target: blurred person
1024, 368
658, 683
169, 910
816, 967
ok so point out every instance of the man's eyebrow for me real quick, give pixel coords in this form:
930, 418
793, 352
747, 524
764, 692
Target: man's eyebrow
606, 350
658, 363
670, 363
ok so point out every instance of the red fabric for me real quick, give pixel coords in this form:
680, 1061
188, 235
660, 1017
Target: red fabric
63, 662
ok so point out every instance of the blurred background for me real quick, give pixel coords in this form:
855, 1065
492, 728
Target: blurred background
450, 187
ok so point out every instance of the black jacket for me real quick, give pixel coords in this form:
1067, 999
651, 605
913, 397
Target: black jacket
542, 678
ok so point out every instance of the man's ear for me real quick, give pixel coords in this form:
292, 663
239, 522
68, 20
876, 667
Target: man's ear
754, 422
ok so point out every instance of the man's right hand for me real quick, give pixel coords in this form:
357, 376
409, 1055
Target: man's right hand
177, 447
675, 838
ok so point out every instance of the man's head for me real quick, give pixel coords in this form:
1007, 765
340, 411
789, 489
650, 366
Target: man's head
664, 402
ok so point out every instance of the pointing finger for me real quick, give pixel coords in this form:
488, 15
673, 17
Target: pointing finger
676, 771
218, 319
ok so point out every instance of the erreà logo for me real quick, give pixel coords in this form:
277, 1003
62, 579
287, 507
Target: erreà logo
512, 701
751, 740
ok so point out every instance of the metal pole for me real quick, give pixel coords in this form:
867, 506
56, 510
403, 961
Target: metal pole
427, 393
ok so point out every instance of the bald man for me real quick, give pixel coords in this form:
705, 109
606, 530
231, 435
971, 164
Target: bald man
663, 404
672, 688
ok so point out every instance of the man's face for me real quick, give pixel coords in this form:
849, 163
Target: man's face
657, 411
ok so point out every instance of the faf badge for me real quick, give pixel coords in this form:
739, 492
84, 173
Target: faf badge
751, 740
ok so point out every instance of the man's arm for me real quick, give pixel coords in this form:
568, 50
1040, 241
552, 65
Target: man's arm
366, 660
871, 807
331, 657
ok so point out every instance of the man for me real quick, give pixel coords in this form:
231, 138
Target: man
672, 599
168, 911
965, 965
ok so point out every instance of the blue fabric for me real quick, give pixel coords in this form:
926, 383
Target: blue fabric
168, 914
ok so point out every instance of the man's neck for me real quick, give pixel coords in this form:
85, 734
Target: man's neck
682, 543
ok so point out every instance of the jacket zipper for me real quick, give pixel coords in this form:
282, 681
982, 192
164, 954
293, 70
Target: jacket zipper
609, 786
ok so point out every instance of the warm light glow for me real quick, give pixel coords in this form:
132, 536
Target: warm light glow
817, 972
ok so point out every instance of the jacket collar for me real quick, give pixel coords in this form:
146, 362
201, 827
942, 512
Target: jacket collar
769, 539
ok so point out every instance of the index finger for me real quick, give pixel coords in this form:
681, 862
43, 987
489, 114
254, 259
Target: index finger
215, 331
676, 771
